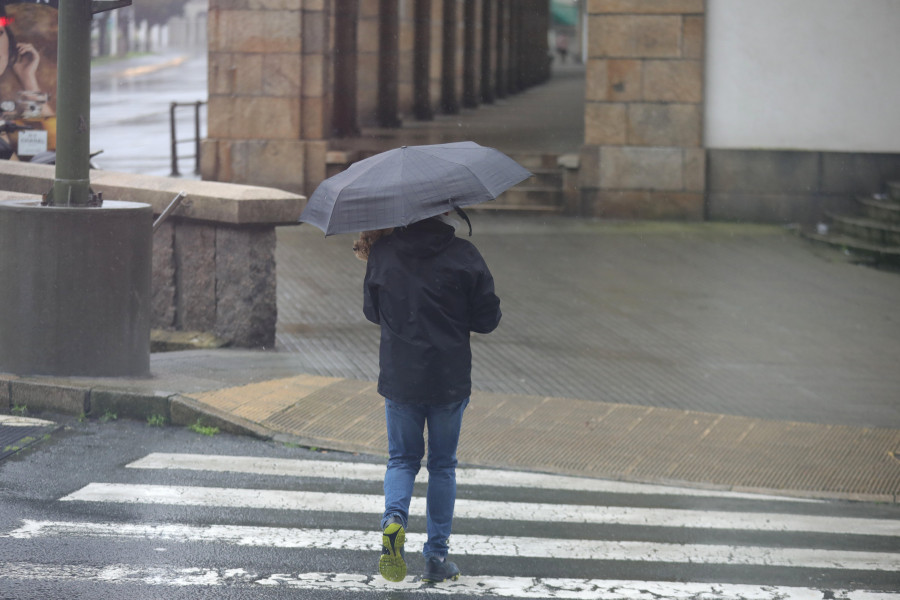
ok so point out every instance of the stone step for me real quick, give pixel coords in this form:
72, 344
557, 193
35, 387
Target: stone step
866, 230
532, 209
888, 255
880, 210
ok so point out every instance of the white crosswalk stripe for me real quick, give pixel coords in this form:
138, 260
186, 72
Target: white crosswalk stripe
657, 523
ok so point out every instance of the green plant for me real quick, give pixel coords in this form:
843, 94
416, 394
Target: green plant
202, 429
156, 420
108, 416
19, 409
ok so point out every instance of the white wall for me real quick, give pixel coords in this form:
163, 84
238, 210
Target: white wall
803, 75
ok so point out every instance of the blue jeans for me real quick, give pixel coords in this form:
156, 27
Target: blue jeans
406, 446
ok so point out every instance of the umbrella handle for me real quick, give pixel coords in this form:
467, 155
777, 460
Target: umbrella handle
465, 218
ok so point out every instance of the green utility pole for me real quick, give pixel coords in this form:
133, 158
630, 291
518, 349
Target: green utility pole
72, 186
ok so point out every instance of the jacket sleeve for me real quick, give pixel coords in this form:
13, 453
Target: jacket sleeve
485, 306
370, 297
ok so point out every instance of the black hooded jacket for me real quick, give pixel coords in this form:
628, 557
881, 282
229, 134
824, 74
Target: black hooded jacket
428, 290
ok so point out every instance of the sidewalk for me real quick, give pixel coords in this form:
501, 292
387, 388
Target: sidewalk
719, 356
712, 356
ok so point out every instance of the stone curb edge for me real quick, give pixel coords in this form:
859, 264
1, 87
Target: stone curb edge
181, 410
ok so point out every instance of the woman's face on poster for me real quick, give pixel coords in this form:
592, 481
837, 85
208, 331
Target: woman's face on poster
4, 50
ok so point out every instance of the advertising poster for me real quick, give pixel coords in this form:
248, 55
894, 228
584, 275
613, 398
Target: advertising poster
28, 42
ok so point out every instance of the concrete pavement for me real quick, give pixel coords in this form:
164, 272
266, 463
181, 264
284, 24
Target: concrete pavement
720, 356
725, 356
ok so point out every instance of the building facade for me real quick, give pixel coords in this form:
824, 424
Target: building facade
765, 110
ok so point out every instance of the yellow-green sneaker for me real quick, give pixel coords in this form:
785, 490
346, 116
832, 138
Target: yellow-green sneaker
392, 564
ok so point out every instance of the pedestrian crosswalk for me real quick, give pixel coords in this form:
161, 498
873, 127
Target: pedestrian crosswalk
525, 535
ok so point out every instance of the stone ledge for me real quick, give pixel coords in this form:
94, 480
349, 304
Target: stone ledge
229, 203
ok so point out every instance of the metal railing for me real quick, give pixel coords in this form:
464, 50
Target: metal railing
174, 138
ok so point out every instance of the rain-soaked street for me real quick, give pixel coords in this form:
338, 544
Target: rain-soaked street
130, 102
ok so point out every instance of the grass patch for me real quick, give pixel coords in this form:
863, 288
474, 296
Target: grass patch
108, 416
156, 421
202, 429
19, 410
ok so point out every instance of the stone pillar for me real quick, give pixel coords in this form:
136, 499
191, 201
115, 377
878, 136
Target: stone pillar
406, 58
450, 63
367, 41
422, 107
269, 93
387, 113
344, 119
471, 96
643, 156
488, 51
502, 63
436, 53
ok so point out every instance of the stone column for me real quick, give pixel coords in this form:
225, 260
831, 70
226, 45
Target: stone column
488, 51
472, 54
344, 118
269, 93
367, 41
406, 58
388, 64
422, 107
643, 155
450, 63
502, 50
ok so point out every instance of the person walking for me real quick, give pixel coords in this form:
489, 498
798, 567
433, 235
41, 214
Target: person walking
427, 290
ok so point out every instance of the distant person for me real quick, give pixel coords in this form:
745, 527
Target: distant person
428, 290
562, 47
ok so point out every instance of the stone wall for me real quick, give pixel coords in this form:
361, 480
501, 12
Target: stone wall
213, 261
269, 93
643, 155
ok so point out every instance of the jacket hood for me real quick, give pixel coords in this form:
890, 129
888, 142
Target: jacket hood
424, 238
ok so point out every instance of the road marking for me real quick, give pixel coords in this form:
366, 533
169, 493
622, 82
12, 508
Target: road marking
509, 587
471, 545
476, 509
289, 467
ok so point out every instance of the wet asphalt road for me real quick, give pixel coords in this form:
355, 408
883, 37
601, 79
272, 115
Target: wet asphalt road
128, 561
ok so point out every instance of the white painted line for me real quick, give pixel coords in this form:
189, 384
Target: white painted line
17, 421
476, 509
472, 545
287, 467
508, 587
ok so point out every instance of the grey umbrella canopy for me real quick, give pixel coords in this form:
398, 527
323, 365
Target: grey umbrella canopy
408, 184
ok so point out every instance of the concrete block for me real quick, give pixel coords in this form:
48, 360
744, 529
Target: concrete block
664, 124
673, 81
315, 32
762, 171
49, 396
251, 118
589, 169
162, 288
247, 73
129, 405
273, 162
605, 123
646, 6
613, 80
246, 309
195, 268
313, 75
694, 169
694, 37
634, 168
643, 205
282, 74
634, 36
261, 31
220, 73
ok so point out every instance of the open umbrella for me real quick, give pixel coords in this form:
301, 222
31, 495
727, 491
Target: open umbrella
408, 184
